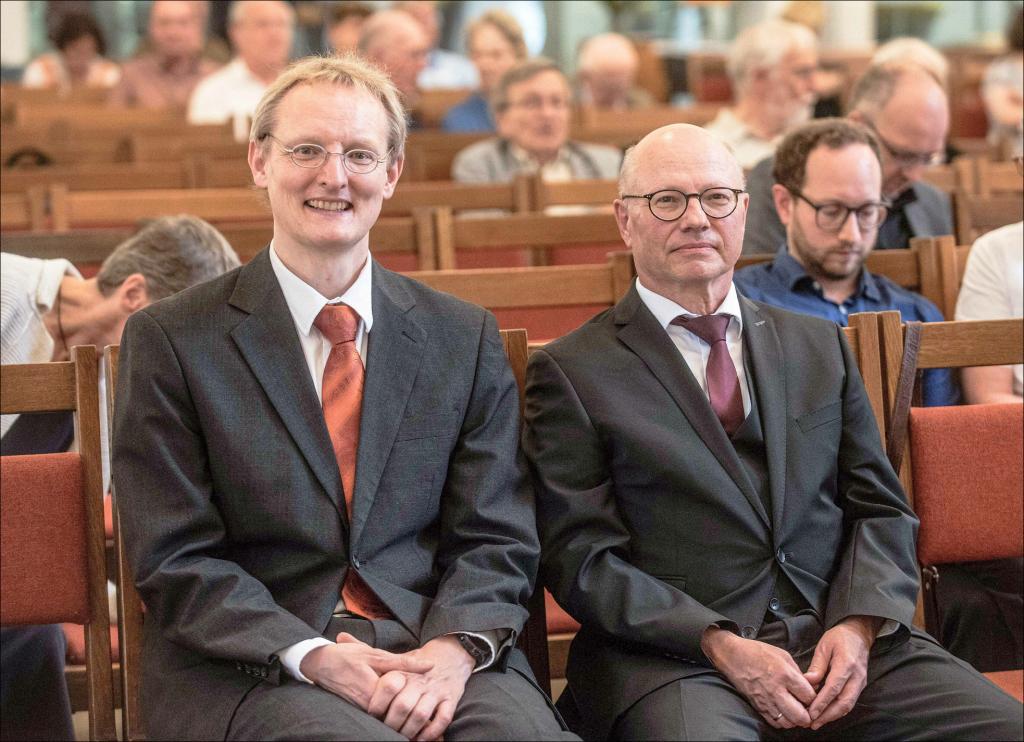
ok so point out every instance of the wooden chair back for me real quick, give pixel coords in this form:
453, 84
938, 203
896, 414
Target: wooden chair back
549, 301
535, 231
514, 196
96, 177
614, 128
534, 638
434, 104
129, 604
573, 193
976, 215
997, 178
23, 211
429, 154
53, 537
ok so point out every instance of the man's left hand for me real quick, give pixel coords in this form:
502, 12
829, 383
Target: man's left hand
425, 706
839, 669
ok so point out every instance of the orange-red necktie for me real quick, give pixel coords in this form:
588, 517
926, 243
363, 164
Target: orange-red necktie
342, 394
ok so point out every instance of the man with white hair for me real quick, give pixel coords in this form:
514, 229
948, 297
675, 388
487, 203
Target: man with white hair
396, 42
444, 69
261, 34
772, 68
606, 69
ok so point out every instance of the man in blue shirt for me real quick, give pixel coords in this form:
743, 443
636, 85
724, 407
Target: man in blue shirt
828, 182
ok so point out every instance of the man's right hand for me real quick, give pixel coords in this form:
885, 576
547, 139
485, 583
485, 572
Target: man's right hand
767, 676
351, 668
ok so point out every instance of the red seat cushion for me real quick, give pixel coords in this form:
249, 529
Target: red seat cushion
968, 481
559, 622
1010, 681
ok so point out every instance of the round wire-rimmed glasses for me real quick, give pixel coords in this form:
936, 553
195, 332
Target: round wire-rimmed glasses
359, 161
668, 205
832, 215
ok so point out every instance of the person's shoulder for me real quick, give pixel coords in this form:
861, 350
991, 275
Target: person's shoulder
483, 148
441, 307
913, 305
793, 322
197, 305
930, 196
1008, 238
587, 342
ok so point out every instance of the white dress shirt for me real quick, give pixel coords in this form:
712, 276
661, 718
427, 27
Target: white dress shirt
304, 304
229, 94
694, 350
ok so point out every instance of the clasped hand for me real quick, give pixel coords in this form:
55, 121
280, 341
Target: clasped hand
771, 681
414, 693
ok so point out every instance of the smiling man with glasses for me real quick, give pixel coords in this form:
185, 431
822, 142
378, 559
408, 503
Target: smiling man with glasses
908, 111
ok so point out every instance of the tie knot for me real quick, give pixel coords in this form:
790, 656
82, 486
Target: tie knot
708, 327
338, 323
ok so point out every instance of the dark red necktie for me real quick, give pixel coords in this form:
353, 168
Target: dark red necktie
723, 382
342, 393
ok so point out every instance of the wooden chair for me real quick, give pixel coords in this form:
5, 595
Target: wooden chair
429, 154
534, 638
959, 174
434, 104
23, 211
976, 215
95, 177
548, 301
53, 539
574, 193
129, 604
507, 197
614, 128
997, 178
510, 232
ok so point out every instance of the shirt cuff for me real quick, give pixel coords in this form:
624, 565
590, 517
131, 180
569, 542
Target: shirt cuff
491, 638
291, 657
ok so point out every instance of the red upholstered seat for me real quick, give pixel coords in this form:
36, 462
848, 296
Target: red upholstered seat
559, 622
968, 481
1011, 681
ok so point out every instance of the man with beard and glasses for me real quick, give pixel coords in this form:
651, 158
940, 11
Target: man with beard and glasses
828, 194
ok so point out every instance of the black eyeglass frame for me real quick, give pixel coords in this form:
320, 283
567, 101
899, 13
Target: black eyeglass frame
290, 151
687, 196
906, 158
884, 206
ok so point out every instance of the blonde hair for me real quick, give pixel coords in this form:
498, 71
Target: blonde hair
344, 69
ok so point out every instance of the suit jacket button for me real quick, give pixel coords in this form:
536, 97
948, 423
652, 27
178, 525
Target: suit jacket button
356, 562
749, 632
774, 604
781, 556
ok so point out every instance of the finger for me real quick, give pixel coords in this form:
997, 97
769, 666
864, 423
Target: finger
388, 686
831, 687
442, 718
383, 662
819, 664
346, 638
403, 704
840, 707
794, 713
420, 716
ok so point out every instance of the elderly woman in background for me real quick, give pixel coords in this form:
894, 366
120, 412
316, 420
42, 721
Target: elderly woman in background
1003, 92
78, 61
532, 105
495, 43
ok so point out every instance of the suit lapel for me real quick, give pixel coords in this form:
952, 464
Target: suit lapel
393, 358
270, 345
761, 341
642, 333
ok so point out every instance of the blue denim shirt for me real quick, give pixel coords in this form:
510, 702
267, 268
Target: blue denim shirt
473, 114
784, 283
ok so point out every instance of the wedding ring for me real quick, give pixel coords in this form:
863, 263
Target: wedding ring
776, 718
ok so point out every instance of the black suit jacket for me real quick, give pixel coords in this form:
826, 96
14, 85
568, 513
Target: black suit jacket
650, 529
231, 498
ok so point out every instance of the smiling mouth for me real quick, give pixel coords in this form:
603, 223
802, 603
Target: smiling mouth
321, 205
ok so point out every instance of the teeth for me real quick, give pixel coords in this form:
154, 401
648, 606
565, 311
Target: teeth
328, 205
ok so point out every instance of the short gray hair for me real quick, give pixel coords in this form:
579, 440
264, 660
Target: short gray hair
763, 46
172, 253
345, 69
875, 88
910, 50
526, 70
236, 13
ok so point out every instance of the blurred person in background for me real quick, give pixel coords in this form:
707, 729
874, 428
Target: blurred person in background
261, 34
606, 69
445, 69
164, 75
906, 108
46, 308
495, 42
395, 42
532, 105
78, 61
346, 25
772, 67
1003, 92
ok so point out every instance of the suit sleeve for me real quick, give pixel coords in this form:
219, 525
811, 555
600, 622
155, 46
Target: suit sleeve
586, 546
489, 551
877, 570
171, 524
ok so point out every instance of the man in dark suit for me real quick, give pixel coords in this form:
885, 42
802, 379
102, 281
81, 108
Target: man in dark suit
714, 504
322, 500
908, 111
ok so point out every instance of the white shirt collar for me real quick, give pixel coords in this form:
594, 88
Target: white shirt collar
666, 310
305, 302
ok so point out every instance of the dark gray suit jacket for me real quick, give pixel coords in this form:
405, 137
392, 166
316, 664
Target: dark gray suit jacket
930, 215
232, 503
650, 529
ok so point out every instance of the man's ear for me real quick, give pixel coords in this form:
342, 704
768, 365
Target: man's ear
132, 295
622, 219
393, 172
258, 164
783, 203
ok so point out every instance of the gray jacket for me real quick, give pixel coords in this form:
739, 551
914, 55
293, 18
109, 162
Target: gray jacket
491, 161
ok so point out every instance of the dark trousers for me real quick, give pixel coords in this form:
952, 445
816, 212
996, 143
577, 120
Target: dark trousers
915, 690
34, 701
496, 704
